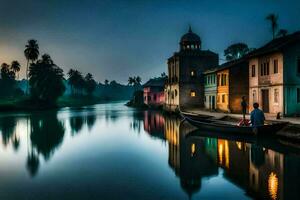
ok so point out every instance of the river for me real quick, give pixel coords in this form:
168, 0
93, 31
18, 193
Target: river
109, 151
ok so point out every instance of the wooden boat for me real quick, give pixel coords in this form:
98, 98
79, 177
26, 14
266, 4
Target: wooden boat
230, 126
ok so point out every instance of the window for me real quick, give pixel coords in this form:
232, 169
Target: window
264, 69
193, 73
154, 97
298, 95
276, 95
205, 99
218, 80
193, 93
298, 65
223, 98
223, 80
176, 93
275, 66
149, 98
254, 96
253, 70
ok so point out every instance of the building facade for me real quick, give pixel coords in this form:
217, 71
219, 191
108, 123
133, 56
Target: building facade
210, 89
274, 76
185, 85
154, 95
232, 85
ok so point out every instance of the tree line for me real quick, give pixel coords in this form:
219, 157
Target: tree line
45, 79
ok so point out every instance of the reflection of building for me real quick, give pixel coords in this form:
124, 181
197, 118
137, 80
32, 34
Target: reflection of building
185, 73
233, 157
154, 123
192, 158
154, 95
266, 173
274, 75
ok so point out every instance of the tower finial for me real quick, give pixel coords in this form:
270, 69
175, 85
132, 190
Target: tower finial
190, 29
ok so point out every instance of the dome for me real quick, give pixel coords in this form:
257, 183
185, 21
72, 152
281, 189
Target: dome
190, 37
190, 41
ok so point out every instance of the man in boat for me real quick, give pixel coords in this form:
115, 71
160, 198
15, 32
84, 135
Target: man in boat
257, 116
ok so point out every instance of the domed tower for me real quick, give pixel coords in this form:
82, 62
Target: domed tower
185, 86
190, 41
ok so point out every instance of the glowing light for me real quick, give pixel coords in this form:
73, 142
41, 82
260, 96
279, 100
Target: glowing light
193, 149
273, 185
192, 73
239, 145
223, 150
193, 93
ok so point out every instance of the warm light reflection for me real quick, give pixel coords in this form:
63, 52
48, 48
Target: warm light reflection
223, 150
273, 185
220, 148
239, 145
193, 149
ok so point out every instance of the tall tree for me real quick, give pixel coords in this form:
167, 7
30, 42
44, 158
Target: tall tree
106, 82
31, 53
15, 67
76, 81
90, 84
236, 51
6, 73
273, 18
46, 80
131, 81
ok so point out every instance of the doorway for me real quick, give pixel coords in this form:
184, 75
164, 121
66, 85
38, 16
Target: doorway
213, 102
265, 100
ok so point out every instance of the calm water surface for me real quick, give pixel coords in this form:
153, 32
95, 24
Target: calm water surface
109, 151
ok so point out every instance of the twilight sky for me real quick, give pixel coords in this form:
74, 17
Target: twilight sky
116, 39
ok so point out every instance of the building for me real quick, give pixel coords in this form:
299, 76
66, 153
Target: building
210, 89
232, 85
274, 80
154, 95
185, 86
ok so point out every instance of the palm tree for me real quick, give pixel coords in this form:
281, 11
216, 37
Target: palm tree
46, 80
15, 67
75, 80
131, 81
31, 53
282, 33
138, 80
273, 18
90, 84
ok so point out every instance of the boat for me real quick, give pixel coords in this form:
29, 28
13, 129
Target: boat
229, 125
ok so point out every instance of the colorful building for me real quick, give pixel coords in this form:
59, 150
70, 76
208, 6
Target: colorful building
154, 95
185, 86
274, 76
232, 85
210, 89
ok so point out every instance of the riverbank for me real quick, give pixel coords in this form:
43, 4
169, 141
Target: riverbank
25, 104
290, 132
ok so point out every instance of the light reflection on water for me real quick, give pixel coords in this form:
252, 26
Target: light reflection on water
109, 151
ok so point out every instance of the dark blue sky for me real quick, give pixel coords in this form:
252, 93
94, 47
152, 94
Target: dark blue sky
117, 39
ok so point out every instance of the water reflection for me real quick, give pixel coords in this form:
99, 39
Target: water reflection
257, 170
262, 173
